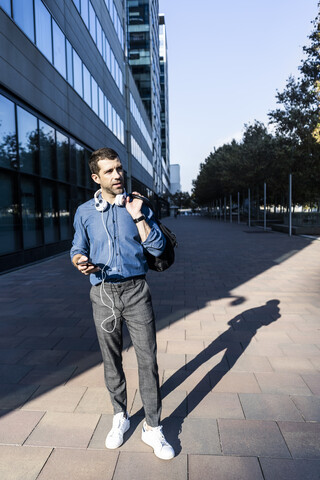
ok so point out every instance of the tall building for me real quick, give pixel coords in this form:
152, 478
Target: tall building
65, 90
175, 178
144, 61
164, 101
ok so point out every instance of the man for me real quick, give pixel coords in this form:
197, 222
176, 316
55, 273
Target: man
108, 245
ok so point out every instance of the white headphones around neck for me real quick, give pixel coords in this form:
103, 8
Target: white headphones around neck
101, 204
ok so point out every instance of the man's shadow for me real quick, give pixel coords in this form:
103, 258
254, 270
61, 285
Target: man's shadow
233, 342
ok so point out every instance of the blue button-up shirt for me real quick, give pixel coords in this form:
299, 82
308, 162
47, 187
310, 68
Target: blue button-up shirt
111, 240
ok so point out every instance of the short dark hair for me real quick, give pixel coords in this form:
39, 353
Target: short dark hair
101, 154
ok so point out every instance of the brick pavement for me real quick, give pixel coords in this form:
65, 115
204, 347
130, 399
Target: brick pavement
238, 319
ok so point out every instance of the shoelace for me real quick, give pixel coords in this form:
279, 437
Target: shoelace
163, 442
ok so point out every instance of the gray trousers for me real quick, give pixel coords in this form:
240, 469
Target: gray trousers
131, 302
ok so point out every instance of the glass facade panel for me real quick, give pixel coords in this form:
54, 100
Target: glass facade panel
77, 73
9, 215
50, 213
101, 105
62, 146
92, 23
43, 30
86, 86
5, 4
77, 4
59, 49
64, 213
31, 215
47, 150
69, 63
81, 165
94, 88
8, 139
99, 36
85, 11
23, 16
27, 141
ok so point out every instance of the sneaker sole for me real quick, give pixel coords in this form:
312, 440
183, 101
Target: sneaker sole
117, 446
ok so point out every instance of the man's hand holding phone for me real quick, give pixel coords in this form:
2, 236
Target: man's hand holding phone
85, 266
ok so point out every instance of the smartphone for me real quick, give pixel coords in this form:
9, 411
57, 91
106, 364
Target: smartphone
88, 263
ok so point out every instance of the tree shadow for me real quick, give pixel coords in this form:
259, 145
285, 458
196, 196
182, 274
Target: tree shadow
233, 342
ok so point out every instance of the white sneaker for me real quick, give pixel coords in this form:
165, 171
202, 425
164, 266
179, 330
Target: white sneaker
155, 439
120, 424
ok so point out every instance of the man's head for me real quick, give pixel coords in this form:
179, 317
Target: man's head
107, 171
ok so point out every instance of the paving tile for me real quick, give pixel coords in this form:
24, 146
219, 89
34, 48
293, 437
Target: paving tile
47, 376
292, 364
252, 438
40, 343
13, 373
97, 400
185, 346
59, 399
16, 425
82, 360
22, 463
269, 407
195, 435
223, 468
300, 350
129, 466
252, 363
313, 382
13, 396
285, 469
308, 406
185, 380
282, 383
73, 343
43, 357
232, 382
11, 356
94, 377
66, 464
214, 405
174, 404
56, 429
302, 438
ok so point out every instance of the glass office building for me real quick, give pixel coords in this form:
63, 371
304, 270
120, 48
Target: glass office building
65, 90
164, 100
144, 60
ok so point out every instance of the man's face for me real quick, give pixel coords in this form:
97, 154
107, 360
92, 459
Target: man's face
110, 176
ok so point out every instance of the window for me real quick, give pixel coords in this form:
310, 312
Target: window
62, 148
99, 37
5, 4
69, 64
77, 73
94, 88
81, 164
59, 49
8, 139
86, 86
23, 16
106, 110
50, 213
101, 105
47, 150
77, 4
108, 55
92, 23
64, 212
9, 215
110, 116
43, 30
85, 11
27, 141
31, 215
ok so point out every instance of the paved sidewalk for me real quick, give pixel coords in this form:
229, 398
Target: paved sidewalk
238, 319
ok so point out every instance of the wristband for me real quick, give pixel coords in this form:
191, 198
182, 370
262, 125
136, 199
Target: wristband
139, 219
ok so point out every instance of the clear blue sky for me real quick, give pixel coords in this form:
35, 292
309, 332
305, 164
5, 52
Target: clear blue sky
227, 59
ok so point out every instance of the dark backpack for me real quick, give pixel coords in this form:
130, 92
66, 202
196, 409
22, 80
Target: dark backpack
166, 259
